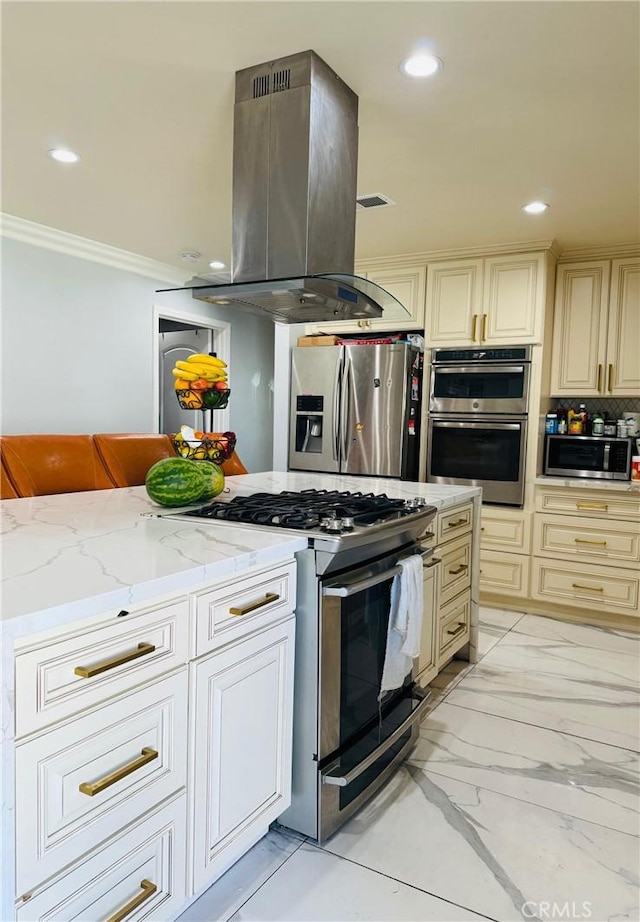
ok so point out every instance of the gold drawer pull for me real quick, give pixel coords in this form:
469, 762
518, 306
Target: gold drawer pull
459, 569
461, 626
474, 324
148, 889
428, 535
457, 524
610, 378
603, 506
588, 588
599, 384
269, 597
87, 672
92, 788
588, 541
483, 335
432, 563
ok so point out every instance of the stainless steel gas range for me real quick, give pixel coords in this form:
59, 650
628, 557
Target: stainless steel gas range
346, 742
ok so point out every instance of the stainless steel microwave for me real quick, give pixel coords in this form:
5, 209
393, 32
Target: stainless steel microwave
587, 456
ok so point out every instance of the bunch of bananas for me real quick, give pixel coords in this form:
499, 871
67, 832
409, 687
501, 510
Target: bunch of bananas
200, 372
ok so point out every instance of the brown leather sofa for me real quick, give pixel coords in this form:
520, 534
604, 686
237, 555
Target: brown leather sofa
127, 456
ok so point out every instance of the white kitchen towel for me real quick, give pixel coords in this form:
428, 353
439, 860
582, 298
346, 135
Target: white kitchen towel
405, 623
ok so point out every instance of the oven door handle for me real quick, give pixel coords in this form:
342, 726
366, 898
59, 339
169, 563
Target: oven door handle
343, 780
361, 584
478, 369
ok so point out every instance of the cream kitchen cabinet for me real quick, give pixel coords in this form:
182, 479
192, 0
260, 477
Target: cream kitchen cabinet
498, 300
505, 547
453, 553
427, 660
407, 284
597, 329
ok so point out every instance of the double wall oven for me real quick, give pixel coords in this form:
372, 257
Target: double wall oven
478, 404
346, 741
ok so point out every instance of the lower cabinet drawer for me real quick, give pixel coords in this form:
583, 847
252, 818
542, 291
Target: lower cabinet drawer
454, 523
229, 611
455, 568
85, 780
453, 629
505, 531
587, 539
609, 589
141, 873
504, 574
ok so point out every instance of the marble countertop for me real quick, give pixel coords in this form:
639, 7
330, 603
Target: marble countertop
586, 483
70, 556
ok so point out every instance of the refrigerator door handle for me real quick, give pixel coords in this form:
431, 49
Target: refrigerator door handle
337, 408
344, 414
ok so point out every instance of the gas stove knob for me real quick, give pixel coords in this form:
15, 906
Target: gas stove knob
333, 526
347, 523
416, 503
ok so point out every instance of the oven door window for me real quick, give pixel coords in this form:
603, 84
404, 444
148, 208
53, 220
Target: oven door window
475, 451
479, 383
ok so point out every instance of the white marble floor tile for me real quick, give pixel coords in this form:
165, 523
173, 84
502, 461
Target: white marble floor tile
581, 778
494, 624
243, 879
448, 678
586, 635
607, 712
315, 885
490, 852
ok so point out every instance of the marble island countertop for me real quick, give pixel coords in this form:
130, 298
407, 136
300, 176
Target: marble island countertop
70, 556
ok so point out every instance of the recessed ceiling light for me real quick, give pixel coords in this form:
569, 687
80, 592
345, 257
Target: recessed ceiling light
64, 156
535, 207
216, 264
421, 65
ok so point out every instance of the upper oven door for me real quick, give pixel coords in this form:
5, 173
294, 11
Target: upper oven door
480, 388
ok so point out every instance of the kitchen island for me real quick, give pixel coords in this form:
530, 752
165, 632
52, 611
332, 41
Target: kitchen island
77, 569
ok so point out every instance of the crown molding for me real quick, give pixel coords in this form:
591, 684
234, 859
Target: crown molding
411, 259
621, 251
50, 238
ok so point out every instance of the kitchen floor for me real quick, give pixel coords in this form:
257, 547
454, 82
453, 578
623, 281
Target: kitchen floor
520, 801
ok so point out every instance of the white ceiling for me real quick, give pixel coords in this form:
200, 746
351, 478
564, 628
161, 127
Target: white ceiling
537, 100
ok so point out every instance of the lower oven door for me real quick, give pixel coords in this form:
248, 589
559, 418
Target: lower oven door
362, 738
487, 453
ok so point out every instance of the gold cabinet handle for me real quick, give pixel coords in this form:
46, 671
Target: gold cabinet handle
428, 535
461, 626
87, 672
599, 384
483, 335
588, 541
432, 563
459, 569
588, 588
148, 889
456, 524
93, 788
603, 506
269, 597
610, 378
474, 325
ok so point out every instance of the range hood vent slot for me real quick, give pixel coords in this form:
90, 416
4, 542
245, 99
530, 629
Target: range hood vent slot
261, 86
281, 80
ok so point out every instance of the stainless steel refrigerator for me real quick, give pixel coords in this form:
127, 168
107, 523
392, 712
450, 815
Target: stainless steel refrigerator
355, 409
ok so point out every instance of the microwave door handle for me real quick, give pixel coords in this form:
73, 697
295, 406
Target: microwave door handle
607, 450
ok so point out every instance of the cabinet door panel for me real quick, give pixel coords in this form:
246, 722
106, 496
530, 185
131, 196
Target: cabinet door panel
408, 286
427, 657
243, 723
579, 333
623, 352
453, 306
513, 299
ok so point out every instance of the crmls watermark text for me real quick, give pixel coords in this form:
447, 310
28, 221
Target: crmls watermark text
545, 909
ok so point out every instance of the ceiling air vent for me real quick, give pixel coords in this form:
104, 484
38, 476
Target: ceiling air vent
261, 86
374, 200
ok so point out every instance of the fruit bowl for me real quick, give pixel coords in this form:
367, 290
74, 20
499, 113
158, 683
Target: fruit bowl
209, 399
216, 450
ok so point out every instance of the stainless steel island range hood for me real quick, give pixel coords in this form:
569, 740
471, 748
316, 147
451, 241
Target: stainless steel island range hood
295, 150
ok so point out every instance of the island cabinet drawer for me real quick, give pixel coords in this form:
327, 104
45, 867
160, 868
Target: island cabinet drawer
588, 539
63, 674
586, 585
140, 873
504, 574
231, 610
454, 627
455, 568
454, 523
505, 531
89, 778
600, 504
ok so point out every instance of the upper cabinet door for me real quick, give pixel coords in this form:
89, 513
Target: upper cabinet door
580, 330
513, 302
454, 311
623, 352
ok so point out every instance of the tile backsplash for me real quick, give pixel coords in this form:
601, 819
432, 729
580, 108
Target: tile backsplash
612, 406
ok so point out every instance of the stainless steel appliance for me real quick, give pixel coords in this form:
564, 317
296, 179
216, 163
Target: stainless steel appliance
346, 743
477, 430
588, 456
355, 409
295, 155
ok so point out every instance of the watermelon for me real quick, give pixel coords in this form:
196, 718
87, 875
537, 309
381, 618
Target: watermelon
213, 479
175, 482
